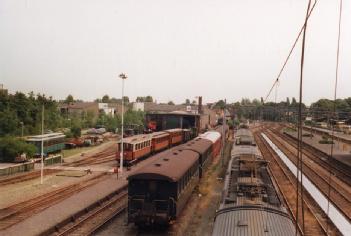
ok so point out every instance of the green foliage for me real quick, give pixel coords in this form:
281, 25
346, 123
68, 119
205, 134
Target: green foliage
69, 99
105, 99
76, 131
11, 147
187, 101
170, 103
220, 104
144, 99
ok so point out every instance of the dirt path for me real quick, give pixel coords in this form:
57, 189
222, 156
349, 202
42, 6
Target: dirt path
197, 218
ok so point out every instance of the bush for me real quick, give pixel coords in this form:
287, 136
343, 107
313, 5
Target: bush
11, 147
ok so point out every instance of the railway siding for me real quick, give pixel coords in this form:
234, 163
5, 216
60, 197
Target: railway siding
338, 218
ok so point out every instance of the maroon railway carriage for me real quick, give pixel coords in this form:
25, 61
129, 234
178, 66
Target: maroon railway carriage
158, 192
160, 141
204, 148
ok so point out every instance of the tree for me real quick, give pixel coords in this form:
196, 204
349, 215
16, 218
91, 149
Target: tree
69, 99
11, 147
126, 99
140, 99
287, 101
149, 99
220, 104
187, 101
76, 131
105, 99
170, 103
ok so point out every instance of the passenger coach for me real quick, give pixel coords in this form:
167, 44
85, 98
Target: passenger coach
158, 192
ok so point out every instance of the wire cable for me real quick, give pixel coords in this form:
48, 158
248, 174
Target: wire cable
291, 50
299, 151
335, 114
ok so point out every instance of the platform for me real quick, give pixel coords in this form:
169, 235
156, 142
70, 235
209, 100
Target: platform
341, 150
338, 135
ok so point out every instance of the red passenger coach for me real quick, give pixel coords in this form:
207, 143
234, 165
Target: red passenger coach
160, 141
134, 148
176, 136
215, 138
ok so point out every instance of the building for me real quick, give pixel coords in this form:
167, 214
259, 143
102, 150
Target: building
95, 108
179, 116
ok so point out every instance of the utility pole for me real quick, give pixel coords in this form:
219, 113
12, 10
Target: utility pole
42, 147
123, 77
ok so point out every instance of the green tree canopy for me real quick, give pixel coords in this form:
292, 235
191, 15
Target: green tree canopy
11, 147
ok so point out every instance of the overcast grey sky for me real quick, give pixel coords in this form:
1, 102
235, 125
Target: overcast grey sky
172, 50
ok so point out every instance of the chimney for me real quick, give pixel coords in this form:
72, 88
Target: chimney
200, 105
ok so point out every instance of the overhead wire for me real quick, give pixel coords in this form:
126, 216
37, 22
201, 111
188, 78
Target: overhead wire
290, 52
299, 132
334, 108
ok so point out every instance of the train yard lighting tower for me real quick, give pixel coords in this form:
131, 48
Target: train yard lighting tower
123, 77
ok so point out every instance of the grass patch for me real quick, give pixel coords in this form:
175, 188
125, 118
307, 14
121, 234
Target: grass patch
74, 151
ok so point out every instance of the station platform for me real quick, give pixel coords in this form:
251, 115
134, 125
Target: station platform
52, 216
341, 150
338, 135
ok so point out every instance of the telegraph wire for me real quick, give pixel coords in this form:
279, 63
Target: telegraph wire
299, 148
290, 52
334, 109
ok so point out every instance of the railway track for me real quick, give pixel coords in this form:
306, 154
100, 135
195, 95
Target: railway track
338, 194
20, 211
315, 218
25, 177
339, 169
98, 158
94, 219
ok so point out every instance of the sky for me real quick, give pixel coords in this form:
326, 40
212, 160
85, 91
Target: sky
171, 49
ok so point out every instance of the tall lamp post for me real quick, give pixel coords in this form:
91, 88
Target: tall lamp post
123, 77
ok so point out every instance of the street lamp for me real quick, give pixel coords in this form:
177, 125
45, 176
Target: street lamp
123, 77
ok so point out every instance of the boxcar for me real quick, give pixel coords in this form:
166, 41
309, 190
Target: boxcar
160, 141
158, 192
176, 136
134, 148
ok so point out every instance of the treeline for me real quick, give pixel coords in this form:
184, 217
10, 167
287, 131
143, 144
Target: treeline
19, 110
288, 109
22, 113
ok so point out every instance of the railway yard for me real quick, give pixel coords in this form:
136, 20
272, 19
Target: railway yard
83, 195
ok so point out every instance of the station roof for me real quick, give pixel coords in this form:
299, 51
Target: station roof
169, 165
45, 137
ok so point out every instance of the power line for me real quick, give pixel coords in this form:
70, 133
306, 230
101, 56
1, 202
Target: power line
299, 147
334, 108
291, 50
